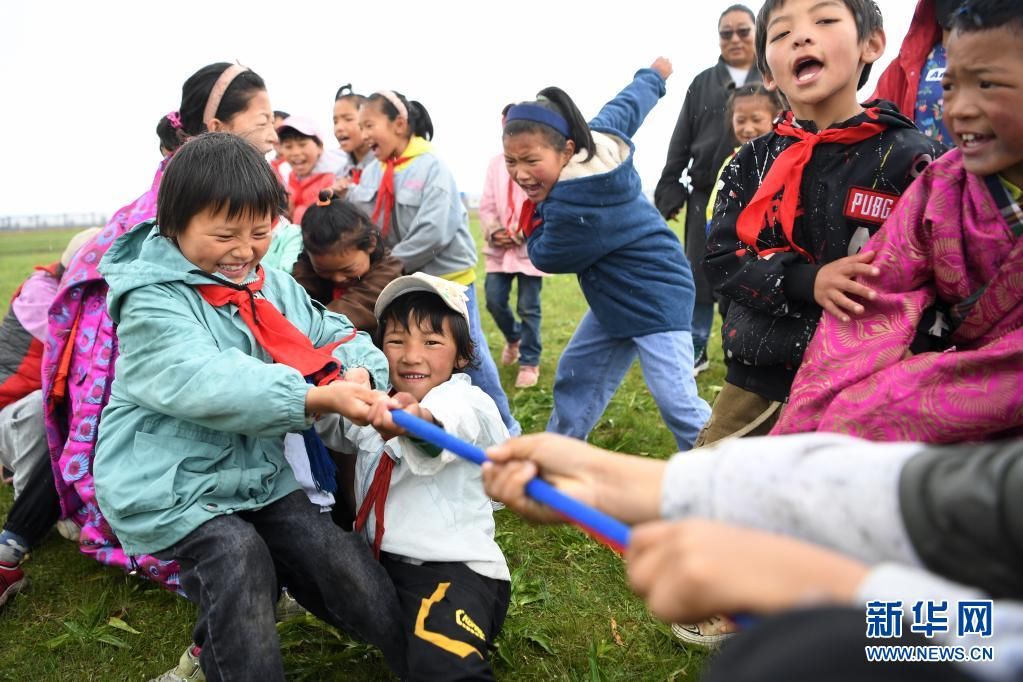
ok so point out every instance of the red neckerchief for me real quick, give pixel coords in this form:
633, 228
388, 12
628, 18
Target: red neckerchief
355, 174
385, 195
376, 500
337, 292
284, 342
527, 221
785, 176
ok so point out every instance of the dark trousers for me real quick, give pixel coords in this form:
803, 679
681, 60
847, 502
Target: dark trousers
527, 328
452, 617
36, 509
818, 645
231, 565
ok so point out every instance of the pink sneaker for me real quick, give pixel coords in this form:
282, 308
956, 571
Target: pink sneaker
12, 579
528, 376
510, 354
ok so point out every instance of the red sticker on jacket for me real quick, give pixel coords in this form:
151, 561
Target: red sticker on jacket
868, 205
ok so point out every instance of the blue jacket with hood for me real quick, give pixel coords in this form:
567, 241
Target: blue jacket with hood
597, 222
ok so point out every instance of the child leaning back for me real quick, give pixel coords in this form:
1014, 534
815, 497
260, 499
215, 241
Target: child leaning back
215, 354
797, 205
439, 548
587, 214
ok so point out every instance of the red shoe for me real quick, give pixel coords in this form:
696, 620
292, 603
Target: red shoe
12, 579
510, 354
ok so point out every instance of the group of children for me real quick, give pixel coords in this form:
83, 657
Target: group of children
247, 389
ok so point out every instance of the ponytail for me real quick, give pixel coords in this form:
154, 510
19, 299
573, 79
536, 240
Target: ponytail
555, 100
419, 122
333, 223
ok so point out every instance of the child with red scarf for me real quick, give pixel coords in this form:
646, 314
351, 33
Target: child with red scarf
312, 167
412, 196
797, 205
219, 360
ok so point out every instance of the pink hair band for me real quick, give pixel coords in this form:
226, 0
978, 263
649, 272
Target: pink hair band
217, 93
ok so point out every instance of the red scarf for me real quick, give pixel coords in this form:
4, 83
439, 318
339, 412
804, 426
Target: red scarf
527, 222
376, 499
284, 342
785, 176
385, 195
356, 175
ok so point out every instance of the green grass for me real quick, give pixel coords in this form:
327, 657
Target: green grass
572, 616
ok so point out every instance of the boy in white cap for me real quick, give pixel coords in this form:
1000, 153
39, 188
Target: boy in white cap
452, 579
23, 448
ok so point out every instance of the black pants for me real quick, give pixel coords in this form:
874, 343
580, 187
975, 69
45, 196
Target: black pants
37, 508
452, 617
818, 645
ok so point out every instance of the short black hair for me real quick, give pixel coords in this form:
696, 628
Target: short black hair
429, 312
288, 133
557, 100
281, 114
419, 121
982, 15
738, 8
340, 225
213, 172
866, 13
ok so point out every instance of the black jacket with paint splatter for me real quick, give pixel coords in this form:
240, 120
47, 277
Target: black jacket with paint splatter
846, 192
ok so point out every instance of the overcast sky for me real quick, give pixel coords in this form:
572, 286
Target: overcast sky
84, 83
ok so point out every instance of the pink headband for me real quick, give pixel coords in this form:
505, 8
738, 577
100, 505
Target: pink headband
395, 101
175, 120
217, 93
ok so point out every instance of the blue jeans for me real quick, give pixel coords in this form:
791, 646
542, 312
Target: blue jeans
703, 320
527, 331
594, 364
484, 375
232, 566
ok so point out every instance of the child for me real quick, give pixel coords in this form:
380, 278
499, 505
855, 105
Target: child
345, 264
349, 136
190, 461
81, 346
413, 199
280, 165
23, 448
507, 260
439, 549
936, 353
591, 218
797, 205
751, 112
312, 167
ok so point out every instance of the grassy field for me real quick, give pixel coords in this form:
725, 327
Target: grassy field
571, 616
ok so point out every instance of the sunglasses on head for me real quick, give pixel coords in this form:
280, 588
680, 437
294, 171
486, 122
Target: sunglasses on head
742, 32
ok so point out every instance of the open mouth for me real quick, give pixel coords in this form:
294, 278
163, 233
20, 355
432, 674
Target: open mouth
807, 68
232, 270
414, 376
974, 140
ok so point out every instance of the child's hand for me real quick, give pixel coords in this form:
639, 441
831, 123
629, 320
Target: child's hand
561, 461
836, 279
359, 375
662, 65
351, 400
340, 187
690, 570
380, 413
502, 239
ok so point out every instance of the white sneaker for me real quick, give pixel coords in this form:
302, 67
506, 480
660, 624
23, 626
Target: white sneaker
708, 634
69, 530
187, 669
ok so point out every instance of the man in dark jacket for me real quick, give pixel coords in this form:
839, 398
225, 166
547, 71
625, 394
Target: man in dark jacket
699, 145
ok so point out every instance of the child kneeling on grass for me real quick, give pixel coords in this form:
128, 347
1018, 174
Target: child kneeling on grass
439, 549
215, 353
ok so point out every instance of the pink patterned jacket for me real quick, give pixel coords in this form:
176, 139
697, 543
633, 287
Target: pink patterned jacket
78, 367
946, 238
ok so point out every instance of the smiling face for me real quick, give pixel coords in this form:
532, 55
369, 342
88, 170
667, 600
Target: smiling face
255, 123
346, 128
984, 100
302, 153
752, 117
343, 267
814, 57
229, 247
387, 139
420, 358
735, 37
534, 164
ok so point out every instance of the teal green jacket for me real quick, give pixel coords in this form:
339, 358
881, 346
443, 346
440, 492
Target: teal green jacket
198, 411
